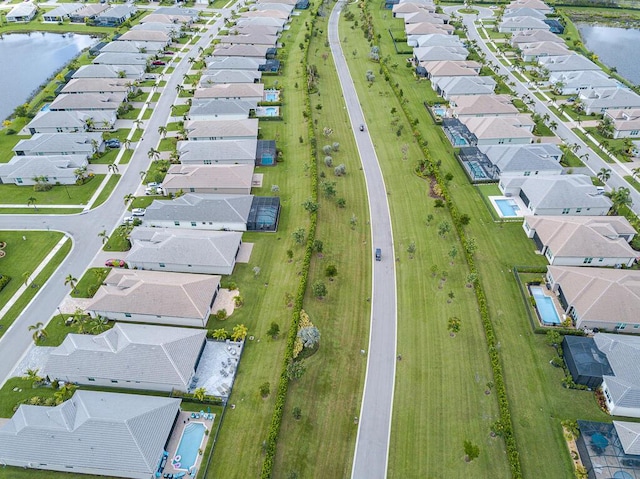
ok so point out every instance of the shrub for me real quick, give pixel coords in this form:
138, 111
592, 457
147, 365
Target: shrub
265, 389
297, 413
4, 280
221, 314
438, 203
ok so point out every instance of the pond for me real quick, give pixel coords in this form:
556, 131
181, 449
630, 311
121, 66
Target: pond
616, 47
29, 59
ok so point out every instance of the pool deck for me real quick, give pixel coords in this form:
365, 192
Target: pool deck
185, 418
556, 304
521, 207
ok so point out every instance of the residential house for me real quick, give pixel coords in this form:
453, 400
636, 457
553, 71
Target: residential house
402, 9
249, 39
209, 179
165, 358
201, 211
603, 99
534, 4
148, 48
602, 298
72, 121
131, 72
230, 76
47, 144
114, 16
554, 26
99, 85
523, 12
572, 83
194, 13
212, 109
140, 59
172, 30
22, 13
534, 36
448, 87
626, 123
246, 51
54, 169
415, 30
536, 159
500, 130
284, 2
254, 30
531, 52
222, 130
585, 362
270, 14
215, 64
167, 19
566, 63
451, 69
179, 299
435, 40
273, 7
227, 152
279, 23
88, 102
557, 195
184, 251
519, 24
601, 241
481, 106
85, 435
248, 92
88, 12
60, 13
146, 35
423, 17
430, 54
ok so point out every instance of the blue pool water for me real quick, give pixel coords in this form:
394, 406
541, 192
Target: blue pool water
271, 96
271, 111
439, 111
459, 141
544, 304
190, 442
508, 208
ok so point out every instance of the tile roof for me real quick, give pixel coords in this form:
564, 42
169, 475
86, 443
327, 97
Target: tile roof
183, 177
219, 150
201, 207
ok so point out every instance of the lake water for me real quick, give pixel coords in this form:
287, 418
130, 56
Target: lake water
616, 47
28, 60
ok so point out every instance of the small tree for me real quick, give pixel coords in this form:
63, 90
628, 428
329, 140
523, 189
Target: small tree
554, 338
221, 314
274, 330
240, 332
335, 146
329, 188
353, 221
318, 246
299, 235
453, 325
319, 289
256, 271
265, 390
290, 255
328, 161
297, 413
275, 189
220, 334
411, 249
453, 252
472, 278
340, 170
341, 202
310, 205
443, 228
295, 369
327, 149
199, 394
331, 271
471, 451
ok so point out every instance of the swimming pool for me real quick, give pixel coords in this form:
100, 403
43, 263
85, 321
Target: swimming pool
439, 111
508, 208
270, 111
544, 304
271, 96
190, 443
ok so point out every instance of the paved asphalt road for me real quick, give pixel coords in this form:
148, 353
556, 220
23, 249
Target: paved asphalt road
84, 228
374, 427
595, 163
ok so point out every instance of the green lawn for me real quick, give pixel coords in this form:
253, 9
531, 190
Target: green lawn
168, 144
592, 145
58, 195
633, 182
180, 110
24, 256
106, 191
31, 211
106, 158
157, 171
89, 283
7, 142
131, 114
617, 146
119, 239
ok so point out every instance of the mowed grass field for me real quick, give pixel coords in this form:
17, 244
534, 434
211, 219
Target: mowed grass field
321, 443
537, 400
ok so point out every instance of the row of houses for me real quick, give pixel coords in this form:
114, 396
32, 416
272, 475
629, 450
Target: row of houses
179, 252
100, 14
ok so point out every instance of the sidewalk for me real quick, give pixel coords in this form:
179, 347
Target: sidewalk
34, 275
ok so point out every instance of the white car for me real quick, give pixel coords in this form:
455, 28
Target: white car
138, 211
127, 220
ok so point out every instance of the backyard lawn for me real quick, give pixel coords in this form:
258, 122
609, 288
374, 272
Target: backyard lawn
57, 195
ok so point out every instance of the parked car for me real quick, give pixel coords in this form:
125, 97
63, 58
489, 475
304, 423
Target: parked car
378, 254
158, 63
115, 263
113, 143
128, 220
155, 190
153, 184
138, 211
168, 52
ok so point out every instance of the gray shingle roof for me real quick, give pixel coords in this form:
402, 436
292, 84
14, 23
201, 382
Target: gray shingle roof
201, 207
121, 59
108, 71
219, 150
161, 355
22, 10
572, 62
439, 53
118, 11
563, 191
209, 176
211, 107
88, 101
99, 431
212, 249
232, 63
629, 434
535, 157
62, 10
57, 166
97, 85
231, 91
466, 85
59, 144
222, 128
524, 22
156, 293
255, 51
69, 118
610, 98
230, 76
623, 354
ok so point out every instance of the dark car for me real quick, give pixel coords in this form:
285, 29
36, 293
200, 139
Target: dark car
361, 127
113, 143
378, 254
158, 63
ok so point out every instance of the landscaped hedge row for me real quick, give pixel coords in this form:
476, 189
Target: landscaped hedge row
4, 280
506, 425
283, 385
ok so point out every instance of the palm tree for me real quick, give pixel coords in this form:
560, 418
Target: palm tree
142, 173
179, 89
220, 334
71, 281
32, 375
239, 332
64, 393
98, 325
200, 394
32, 201
162, 130
38, 331
129, 197
113, 168
553, 126
105, 237
127, 144
26, 276
138, 123
620, 197
80, 173
153, 154
191, 60
604, 174
636, 172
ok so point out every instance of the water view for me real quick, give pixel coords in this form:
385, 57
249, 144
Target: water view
29, 60
616, 47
